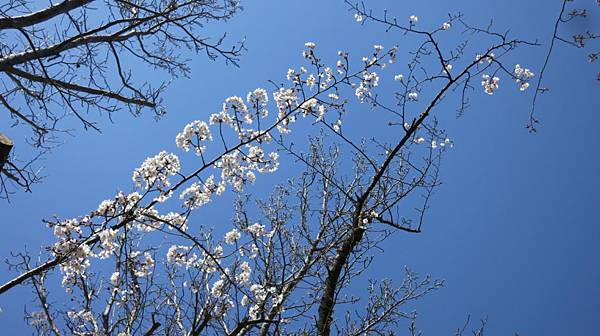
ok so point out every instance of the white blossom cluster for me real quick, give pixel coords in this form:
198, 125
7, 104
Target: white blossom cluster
238, 168
369, 81
257, 230
72, 235
232, 236
286, 100
236, 114
489, 58
173, 220
445, 143
82, 317
523, 76
69, 234
196, 129
178, 254
244, 276
121, 203
154, 173
490, 84
259, 100
239, 276
142, 266
200, 193
261, 294
107, 242
359, 17
184, 256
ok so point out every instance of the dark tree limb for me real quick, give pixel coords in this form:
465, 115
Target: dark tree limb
80, 88
42, 15
61, 62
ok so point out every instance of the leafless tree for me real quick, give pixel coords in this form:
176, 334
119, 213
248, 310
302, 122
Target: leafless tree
73, 58
287, 264
586, 40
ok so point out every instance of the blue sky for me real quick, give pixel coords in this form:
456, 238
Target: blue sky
513, 229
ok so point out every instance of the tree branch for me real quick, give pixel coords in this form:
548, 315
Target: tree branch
80, 88
42, 15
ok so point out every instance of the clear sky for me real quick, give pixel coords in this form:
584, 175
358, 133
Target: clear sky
514, 229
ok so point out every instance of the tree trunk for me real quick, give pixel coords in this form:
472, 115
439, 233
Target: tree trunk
5, 146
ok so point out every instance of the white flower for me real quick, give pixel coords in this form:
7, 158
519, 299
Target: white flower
523, 72
337, 125
399, 77
378, 47
199, 194
446, 25
523, 76
115, 278
259, 95
221, 117
523, 86
217, 288
368, 82
483, 59
310, 45
199, 130
310, 81
359, 18
447, 142
106, 208
143, 268
154, 172
291, 74
448, 67
258, 99
257, 230
177, 254
489, 84
244, 276
235, 103
67, 228
107, 242
285, 99
413, 95
413, 19
232, 236
259, 292
251, 176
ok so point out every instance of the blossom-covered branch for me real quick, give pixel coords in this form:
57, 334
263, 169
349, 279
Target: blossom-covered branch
140, 263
